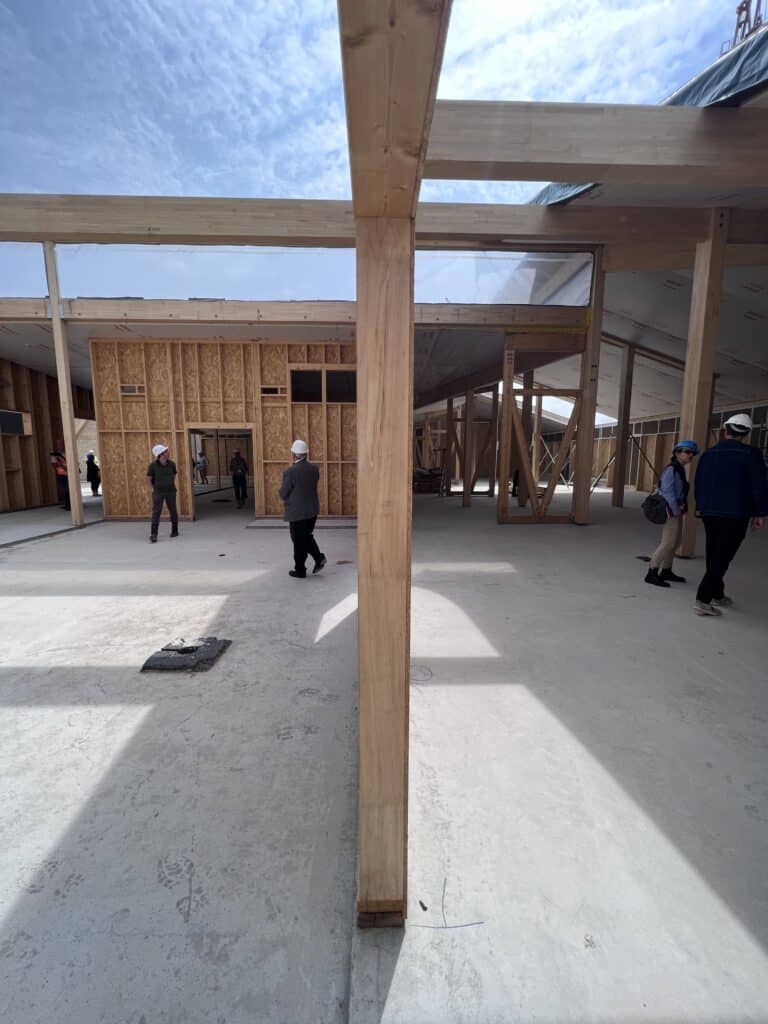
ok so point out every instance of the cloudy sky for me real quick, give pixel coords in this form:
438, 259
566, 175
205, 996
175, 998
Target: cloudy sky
244, 98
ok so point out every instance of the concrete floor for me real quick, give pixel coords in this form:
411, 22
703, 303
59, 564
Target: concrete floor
589, 783
42, 522
175, 849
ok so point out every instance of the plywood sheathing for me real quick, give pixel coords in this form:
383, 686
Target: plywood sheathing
184, 384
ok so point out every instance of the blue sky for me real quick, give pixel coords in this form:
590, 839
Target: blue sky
237, 98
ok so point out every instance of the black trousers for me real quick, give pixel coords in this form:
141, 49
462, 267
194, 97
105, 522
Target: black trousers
62, 485
240, 483
724, 537
157, 507
304, 543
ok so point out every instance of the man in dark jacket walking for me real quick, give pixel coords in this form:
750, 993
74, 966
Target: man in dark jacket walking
731, 489
238, 467
162, 475
298, 492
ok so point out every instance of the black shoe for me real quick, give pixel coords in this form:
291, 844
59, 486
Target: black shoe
153, 539
671, 577
652, 576
174, 533
297, 575
320, 565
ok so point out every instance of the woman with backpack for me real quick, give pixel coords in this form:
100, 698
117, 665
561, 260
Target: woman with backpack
673, 487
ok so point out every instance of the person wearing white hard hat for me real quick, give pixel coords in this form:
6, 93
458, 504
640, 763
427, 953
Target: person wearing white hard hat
162, 476
298, 493
731, 491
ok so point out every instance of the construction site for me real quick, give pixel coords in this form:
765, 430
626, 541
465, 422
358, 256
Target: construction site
475, 769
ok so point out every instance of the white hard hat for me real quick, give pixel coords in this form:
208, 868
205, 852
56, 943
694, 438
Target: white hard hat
741, 423
299, 447
158, 450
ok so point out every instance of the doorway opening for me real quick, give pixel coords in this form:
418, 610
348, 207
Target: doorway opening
217, 488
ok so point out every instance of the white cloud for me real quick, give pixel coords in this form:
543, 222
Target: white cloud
225, 97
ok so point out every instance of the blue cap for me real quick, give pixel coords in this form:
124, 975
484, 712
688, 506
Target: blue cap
687, 446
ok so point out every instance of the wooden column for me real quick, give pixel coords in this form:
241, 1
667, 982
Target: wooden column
527, 418
450, 451
703, 327
426, 445
493, 453
469, 448
385, 453
505, 440
65, 384
590, 370
536, 448
622, 427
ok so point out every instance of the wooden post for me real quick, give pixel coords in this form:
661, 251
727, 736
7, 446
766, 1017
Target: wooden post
385, 453
622, 427
65, 385
505, 443
450, 451
493, 453
536, 449
526, 415
590, 370
700, 354
426, 445
469, 448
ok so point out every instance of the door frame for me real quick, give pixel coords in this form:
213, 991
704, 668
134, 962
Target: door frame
256, 468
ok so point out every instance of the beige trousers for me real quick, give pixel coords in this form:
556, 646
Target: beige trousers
671, 535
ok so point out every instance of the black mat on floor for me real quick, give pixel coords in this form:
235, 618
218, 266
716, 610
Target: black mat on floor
186, 656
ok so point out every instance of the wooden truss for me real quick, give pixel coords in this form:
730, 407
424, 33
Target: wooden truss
516, 449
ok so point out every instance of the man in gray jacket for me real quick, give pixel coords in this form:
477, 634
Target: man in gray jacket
298, 492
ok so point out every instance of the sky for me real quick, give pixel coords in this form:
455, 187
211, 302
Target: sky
244, 98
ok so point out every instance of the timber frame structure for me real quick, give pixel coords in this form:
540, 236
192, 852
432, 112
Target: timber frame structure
391, 54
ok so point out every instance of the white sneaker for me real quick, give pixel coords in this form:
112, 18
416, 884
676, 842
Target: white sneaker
706, 609
723, 602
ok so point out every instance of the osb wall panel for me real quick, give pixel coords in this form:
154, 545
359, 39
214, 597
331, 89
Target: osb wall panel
130, 361
138, 455
112, 459
104, 362
334, 433
348, 433
349, 489
276, 434
273, 476
274, 360
156, 360
27, 479
194, 383
316, 438
334, 489
109, 416
135, 414
210, 373
300, 422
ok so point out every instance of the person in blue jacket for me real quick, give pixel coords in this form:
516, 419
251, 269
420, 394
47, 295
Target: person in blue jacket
673, 487
731, 490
